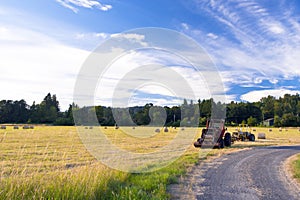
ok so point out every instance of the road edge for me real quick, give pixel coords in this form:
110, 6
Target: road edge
292, 183
183, 189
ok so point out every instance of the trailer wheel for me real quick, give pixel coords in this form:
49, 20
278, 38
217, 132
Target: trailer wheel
242, 138
221, 144
227, 140
252, 137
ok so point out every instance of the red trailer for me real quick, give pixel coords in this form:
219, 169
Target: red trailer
214, 136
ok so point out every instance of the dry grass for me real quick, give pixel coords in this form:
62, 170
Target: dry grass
274, 137
52, 163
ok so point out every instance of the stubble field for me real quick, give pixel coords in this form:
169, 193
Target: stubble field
50, 162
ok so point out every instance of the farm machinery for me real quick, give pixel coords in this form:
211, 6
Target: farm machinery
214, 136
242, 134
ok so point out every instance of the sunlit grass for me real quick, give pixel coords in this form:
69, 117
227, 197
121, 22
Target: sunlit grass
296, 168
52, 163
274, 136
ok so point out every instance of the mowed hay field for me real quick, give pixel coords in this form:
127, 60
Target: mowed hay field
274, 136
50, 162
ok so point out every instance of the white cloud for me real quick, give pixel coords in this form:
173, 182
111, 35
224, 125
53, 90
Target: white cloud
275, 28
73, 4
29, 69
265, 45
133, 37
211, 35
185, 26
255, 96
139, 75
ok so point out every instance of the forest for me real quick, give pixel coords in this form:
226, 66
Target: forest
284, 111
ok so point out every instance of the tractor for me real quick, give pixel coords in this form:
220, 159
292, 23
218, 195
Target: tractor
243, 133
214, 136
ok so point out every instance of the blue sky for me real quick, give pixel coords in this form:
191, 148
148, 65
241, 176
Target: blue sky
255, 44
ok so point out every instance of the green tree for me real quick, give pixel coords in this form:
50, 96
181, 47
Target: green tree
268, 107
251, 121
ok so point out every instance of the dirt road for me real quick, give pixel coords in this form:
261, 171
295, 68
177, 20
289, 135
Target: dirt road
257, 173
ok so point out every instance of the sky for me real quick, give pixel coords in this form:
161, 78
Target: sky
253, 44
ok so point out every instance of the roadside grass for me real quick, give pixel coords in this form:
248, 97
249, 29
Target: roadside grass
296, 168
52, 163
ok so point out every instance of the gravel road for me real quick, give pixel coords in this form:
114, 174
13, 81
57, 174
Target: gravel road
258, 173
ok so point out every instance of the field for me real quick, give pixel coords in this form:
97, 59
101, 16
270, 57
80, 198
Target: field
52, 163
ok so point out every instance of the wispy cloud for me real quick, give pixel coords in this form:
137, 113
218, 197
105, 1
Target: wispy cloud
255, 43
75, 4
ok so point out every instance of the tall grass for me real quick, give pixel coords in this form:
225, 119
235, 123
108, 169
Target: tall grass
296, 168
52, 163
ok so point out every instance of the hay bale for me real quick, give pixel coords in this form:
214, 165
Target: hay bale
105, 127
270, 130
90, 127
166, 129
26, 127
157, 130
86, 127
254, 130
116, 127
133, 127
3, 127
31, 127
261, 136
182, 128
16, 127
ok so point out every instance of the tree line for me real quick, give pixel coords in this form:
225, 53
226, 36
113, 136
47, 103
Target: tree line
284, 111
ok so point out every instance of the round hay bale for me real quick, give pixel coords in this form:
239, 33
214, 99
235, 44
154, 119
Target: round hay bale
270, 130
116, 127
133, 127
25, 127
254, 130
261, 136
90, 127
166, 129
157, 130
3, 127
86, 127
105, 127
182, 128
31, 127
16, 127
